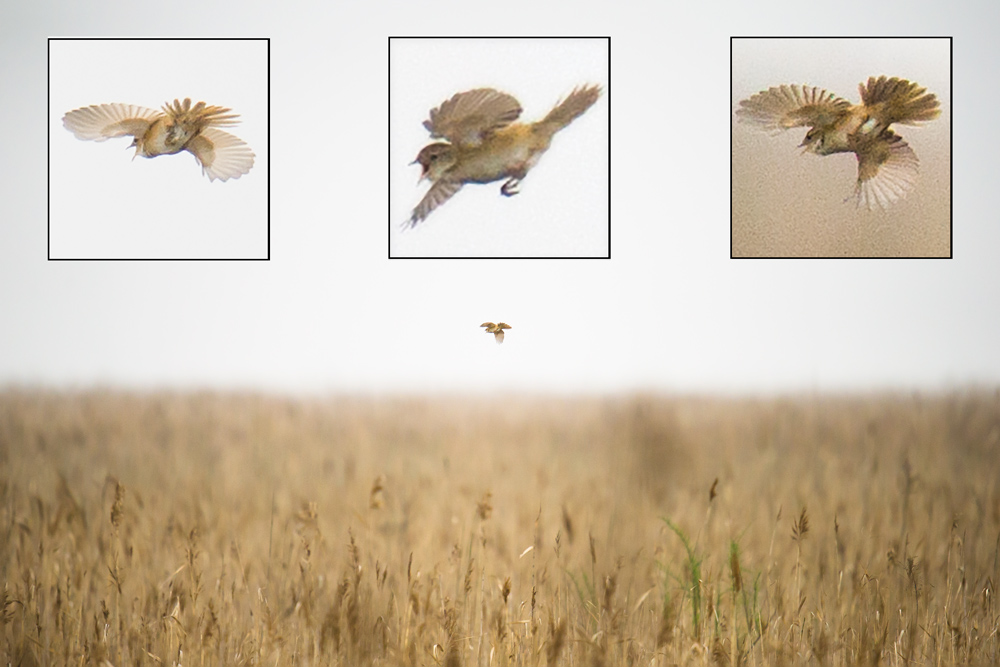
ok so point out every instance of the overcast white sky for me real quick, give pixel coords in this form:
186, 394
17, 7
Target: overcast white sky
330, 312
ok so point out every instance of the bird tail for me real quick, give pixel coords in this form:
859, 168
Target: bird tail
899, 101
571, 108
200, 115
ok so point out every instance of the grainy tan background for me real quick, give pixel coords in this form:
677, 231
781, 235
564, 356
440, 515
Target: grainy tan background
790, 204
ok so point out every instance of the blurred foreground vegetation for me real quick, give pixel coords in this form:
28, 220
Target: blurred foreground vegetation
208, 529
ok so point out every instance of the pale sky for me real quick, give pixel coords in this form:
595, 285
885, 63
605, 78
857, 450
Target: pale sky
670, 311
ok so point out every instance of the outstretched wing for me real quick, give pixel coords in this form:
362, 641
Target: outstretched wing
783, 107
490, 327
898, 101
503, 325
439, 193
221, 155
887, 170
100, 122
470, 116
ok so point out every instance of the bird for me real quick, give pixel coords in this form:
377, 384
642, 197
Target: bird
496, 330
483, 144
887, 166
178, 127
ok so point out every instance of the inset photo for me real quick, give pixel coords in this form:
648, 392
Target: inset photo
158, 149
499, 147
841, 147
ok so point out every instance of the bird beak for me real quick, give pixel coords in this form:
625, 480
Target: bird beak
424, 170
808, 145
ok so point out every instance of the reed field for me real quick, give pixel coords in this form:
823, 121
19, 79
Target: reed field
239, 529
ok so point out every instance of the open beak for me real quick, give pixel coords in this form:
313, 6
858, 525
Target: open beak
424, 170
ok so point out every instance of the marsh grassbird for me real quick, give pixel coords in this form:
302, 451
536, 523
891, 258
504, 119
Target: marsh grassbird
496, 330
887, 166
484, 144
179, 127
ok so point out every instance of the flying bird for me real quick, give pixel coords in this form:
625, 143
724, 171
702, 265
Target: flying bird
887, 166
496, 329
179, 127
483, 144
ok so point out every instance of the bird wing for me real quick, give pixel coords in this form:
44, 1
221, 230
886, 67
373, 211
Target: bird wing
439, 193
503, 325
898, 101
782, 107
221, 155
100, 122
490, 327
467, 118
887, 170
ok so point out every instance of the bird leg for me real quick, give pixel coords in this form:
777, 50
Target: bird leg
509, 189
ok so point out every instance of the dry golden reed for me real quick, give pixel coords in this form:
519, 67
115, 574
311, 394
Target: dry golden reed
207, 529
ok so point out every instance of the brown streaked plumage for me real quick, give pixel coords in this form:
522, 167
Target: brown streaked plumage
180, 126
887, 166
483, 144
496, 329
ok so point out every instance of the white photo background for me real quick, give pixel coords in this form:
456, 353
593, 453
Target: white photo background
104, 204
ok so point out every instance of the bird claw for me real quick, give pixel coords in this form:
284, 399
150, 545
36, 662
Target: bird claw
509, 189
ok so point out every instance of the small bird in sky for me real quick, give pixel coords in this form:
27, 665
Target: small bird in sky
496, 329
887, 166
484, 144
178, 127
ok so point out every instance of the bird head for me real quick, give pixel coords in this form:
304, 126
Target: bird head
434, 160
813, 143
